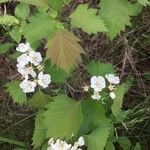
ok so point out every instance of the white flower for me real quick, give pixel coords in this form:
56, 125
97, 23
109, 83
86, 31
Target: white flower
27, 71
85, 88
35, 58
112, 95
22, 60
44, 79
96, 96
112, 79
27, 86
23, 47
98, 83
81, 141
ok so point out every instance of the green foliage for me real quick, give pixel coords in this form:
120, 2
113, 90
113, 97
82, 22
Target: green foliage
144, 2
38, 3
16, 92
137, 146
100, 68
87, 20
5, 47
22, 11
124, 143
63, 118
41, 25
39, 100
39, 134
8, 20
3, 1
98, 138
58, 75
58, 4
109, 146
116, 15
93, 114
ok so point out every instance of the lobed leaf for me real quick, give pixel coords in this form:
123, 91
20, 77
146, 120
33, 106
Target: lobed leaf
16, 92
5, 47
63, 118
64, 50
87, 20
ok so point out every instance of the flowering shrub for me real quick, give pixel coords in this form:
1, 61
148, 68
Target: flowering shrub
86, 123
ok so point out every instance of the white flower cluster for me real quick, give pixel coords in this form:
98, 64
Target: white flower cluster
98, 83
30, 67
63, 145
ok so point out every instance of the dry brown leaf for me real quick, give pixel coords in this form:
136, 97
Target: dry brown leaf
64, 49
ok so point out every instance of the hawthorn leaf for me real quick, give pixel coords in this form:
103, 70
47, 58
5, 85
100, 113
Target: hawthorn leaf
97, 139
137, 146
63, 118
97, 68
87, 20
22, 11
16, 92
64, 50
116, 15
39, 100
109, 146
58, 4
41, 25
124, 143
39, 134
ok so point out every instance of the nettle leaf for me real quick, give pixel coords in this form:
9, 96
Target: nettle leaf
124, 143
64, 50
116, 15
63, 118
100, 68
16, 92
87, 20
144, 2
58, 4
39, 134
22, 11
41, 25
8, 20
39, 100
58, 75
5, 47
39, 3
98, 138
93, 114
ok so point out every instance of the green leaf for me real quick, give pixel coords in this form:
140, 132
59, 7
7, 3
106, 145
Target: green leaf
39, 100
39, 3
93, 114
41, 25
98, 138
15, 33
4, 1
15, 55
58, 4
22, 11
109, 146
124, 143
87, 20
144, 2
39, 134
58, 75
116, 15
64, 50
16, 92
137, 146
8, 20
5, 47
63, 118
100, 68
